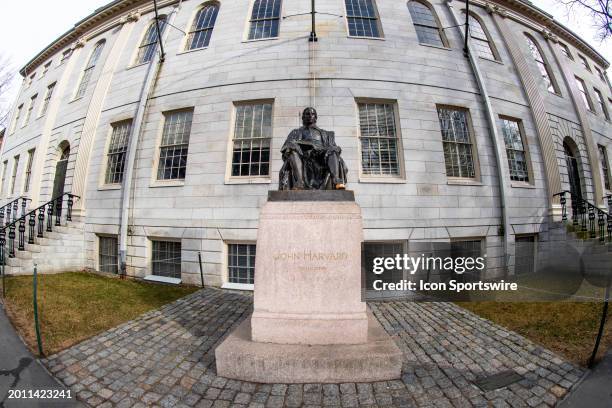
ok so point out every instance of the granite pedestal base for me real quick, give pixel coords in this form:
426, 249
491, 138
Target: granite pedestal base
309, 323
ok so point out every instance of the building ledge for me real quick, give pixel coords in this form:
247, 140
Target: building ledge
162, 279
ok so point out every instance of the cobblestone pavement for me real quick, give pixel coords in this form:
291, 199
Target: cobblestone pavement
166, 358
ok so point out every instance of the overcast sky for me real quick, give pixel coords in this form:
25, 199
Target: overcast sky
24, 33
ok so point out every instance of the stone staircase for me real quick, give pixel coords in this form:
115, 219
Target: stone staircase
59, 249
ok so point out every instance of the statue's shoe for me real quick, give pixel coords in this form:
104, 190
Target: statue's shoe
340, 186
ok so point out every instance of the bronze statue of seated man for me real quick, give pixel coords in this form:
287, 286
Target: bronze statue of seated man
311, 158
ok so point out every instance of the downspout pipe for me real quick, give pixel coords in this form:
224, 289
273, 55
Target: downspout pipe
495, 136
148, 87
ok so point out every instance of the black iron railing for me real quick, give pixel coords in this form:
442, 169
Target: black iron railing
9, 211
35, 224
587, 217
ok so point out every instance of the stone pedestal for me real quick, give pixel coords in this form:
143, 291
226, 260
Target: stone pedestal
309, 323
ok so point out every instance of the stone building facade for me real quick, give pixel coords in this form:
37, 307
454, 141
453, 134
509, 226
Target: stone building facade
173, 157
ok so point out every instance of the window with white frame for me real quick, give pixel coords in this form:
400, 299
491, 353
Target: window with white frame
565, 50
584, 63
16, 118
66, 55
28, 171
379, 139
46, 69
481, 40
47, 99
117, 150
148, 45
543, 67
108, 259
174, 145
241, 263
14, 175
265, 19
457, 142
4, 171
362, 18
203, 26
426, 24
166, 259
31, 79
584, 94
89, 68
252, 138
515, 150
605, 167
28, 114
601, 103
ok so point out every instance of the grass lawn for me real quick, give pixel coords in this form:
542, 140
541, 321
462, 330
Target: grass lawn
77, 305
566, 328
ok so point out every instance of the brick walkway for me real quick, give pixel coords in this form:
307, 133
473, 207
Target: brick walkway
166, 358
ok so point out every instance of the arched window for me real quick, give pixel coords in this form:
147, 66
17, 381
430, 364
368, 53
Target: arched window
146, 51
265, 19
426, 24
481, 40
91, 64
362, 18
202, 27
543, 67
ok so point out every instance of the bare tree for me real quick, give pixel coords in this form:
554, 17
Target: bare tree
600, 12
7, 73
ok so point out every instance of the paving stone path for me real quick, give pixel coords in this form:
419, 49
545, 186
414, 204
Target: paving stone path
166, 358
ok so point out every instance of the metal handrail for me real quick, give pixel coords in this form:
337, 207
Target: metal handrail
12, 208
46, 209
584, 214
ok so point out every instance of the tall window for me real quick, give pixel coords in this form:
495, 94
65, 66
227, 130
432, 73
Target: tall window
252, 136
107, 251
202, 27
525, 254
466, 249
146, 51
457, 143
26, 120
426, 24
480, 39
167, 259
4, 170
265, 19
602, 104
91, 64
14, 175
515, 150
543, 67
241, 263
31, 79
605, 167
565, 50
66, 55
46, 69
117, 150
601, 75
584, 62
47, 99
379, 139
16, 119
28, 171
585, 94
174, 145
362, 18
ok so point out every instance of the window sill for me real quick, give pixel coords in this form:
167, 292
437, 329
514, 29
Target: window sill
238, 286
357, 37
463, 182
260, 39
137, 65
105, 187
248, 181
436, 46
491, 60
518, 184
193, 50
382, 180
76, 99
556, 94
167, 183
